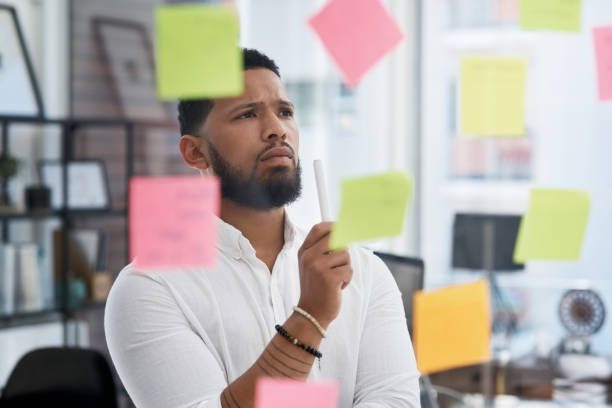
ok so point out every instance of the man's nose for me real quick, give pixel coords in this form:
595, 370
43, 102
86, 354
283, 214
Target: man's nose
274, 128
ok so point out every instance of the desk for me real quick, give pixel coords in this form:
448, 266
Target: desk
550, 404
529, 379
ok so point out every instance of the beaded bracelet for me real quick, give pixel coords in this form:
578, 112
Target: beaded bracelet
295, 341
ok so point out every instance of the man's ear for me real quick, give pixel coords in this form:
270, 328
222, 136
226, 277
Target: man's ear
191, 150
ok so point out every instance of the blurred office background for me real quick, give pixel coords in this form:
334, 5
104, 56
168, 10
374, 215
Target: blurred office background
94, 59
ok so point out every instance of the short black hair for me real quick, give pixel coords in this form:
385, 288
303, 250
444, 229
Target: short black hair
192, 113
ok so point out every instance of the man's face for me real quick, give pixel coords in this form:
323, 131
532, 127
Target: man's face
251, 142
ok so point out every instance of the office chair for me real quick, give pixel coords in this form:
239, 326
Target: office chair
63, 377
409, 274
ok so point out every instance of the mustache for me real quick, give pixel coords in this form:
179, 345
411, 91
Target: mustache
272, 146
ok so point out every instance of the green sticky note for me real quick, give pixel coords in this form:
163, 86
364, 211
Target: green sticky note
371, 207
556, 15
553, 226
197, 52
492, 96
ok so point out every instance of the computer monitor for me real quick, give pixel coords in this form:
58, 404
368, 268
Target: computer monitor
409, 274
485, 242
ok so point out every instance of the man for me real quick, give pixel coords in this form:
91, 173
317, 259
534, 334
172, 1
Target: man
202, 337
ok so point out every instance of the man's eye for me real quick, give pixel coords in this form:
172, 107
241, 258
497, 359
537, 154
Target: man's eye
246, 115
287, 112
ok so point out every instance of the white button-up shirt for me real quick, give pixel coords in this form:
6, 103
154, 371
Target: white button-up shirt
179, 337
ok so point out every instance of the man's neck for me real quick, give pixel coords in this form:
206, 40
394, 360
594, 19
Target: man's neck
265, 230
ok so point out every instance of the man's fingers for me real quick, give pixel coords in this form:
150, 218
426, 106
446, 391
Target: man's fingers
321, 247
316, 233
338, 258
346, 273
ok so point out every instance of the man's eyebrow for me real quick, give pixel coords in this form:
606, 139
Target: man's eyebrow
254, 104
245, 105
284, 102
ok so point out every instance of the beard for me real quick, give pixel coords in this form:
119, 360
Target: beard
280, 187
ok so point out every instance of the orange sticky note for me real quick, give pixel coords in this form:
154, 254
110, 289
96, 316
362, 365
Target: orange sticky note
602, 38
172, 221
356, 33
282, 393
452, 326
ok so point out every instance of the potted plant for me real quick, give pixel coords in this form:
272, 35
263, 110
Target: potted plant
8, 169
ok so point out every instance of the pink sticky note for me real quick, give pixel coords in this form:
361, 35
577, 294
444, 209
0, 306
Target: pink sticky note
356, 33
172, 221
282, 393
603, 53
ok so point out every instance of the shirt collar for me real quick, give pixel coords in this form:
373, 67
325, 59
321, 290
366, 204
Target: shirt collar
231, 241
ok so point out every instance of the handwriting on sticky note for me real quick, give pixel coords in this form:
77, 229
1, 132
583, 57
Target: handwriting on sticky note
492, 96
553, 227
356, 33
555, 15
282, 393
452, 326
371, 207
197, 52
172, 221
602, 40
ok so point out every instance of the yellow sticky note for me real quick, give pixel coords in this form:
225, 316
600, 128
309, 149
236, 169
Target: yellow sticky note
197, 52
553, 226
371, 207
557, 15
492, 96
452, 326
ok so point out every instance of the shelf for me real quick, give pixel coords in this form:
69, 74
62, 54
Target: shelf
71, 129
85, 121
17, 214
59, 213
97, 213
490, 196
46, 315
91, 305
29, 318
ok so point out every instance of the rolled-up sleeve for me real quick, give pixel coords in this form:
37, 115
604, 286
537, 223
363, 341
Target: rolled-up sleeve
161, 361
387, 374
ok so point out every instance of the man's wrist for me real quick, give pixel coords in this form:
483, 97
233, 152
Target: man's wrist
300, 327
324, 323
311, 319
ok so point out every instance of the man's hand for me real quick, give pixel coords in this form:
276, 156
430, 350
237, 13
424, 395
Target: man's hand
323, 275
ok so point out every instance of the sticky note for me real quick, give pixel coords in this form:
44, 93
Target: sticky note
356, 34
452, 326
282, 393
555, 15
371, 207
492, 99
172, 221
553, 226
602, 39
197, 52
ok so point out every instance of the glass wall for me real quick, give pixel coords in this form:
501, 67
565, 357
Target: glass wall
368, 129
566, 145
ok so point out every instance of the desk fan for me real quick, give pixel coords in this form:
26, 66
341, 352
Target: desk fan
582, 313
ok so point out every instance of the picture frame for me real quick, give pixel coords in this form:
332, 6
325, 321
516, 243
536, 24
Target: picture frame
128, 56
19, 91
92, 244
87, 184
